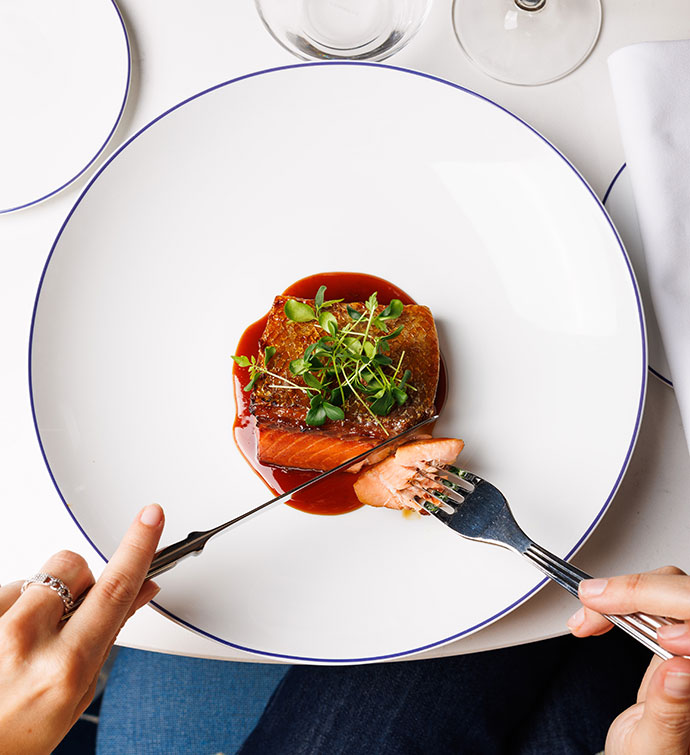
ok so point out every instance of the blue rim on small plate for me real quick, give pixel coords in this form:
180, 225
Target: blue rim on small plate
107, 138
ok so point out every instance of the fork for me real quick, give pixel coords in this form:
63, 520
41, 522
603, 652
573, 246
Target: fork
476, 509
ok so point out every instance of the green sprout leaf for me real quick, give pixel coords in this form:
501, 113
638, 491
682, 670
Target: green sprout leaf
268, 354
241, 361
318, 299
354, 314
353, 345
394, 334
392, 311
299, 366
323, 347
399, 395
382, 406
328, 322
298, 311
337, 395
316, 417
317, 414
312, 381
333, 412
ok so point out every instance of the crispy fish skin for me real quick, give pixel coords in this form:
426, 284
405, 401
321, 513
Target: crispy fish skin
284, 439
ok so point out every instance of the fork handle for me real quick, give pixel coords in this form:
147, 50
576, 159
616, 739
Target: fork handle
641, 626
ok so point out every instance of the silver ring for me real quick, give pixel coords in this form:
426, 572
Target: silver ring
48, 580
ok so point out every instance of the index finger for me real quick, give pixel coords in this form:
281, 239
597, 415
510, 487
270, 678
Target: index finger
661, 594
100, 616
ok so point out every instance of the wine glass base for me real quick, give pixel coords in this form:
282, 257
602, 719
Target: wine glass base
527, 47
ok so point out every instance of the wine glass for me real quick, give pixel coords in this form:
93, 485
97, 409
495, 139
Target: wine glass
527, 42
343, 29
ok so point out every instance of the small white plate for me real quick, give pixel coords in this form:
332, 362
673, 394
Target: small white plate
64, 78
619, 200
183, 238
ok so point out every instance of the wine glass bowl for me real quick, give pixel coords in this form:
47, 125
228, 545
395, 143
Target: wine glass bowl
343, 29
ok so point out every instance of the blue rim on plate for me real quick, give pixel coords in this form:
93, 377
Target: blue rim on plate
107, 138
631, 445
608, 191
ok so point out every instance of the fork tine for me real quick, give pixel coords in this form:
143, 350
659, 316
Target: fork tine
443, 500
463, 474
460, 498
452, 474
438, 504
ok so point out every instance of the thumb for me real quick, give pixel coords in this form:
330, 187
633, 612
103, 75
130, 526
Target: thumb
665, 722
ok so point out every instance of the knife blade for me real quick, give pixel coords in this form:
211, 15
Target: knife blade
194, 543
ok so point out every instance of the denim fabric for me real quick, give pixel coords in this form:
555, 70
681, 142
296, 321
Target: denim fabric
550, 698
157, 704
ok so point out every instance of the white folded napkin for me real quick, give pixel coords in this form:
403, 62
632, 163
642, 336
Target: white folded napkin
651, 85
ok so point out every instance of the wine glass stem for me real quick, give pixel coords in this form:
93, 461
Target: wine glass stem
530, 5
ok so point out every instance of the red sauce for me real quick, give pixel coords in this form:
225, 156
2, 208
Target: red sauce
336, 494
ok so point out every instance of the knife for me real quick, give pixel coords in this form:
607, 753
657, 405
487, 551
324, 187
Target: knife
194, 543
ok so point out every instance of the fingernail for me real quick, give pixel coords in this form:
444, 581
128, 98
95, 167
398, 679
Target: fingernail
671, 631
677, 684
151, 515
590, 588
576, 619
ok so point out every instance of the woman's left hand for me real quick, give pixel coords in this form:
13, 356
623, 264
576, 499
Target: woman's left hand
49, 668
660, 722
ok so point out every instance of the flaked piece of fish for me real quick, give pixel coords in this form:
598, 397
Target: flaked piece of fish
388, 483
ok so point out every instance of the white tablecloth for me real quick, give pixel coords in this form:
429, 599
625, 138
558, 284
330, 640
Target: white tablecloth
181, 48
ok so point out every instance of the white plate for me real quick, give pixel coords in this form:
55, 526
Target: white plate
619, 200
182, 240
64, 77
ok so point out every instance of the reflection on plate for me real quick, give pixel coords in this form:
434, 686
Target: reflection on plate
65, 77
182, 239
619, 200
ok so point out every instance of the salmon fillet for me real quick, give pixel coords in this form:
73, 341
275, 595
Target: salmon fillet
283, 437
307, 450
388, 483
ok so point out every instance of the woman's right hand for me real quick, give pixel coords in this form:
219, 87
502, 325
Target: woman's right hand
660, 721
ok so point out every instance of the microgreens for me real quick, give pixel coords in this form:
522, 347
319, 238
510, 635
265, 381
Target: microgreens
348, 361
256, 369
299, 311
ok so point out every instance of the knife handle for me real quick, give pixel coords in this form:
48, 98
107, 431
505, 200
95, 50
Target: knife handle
167, 557
163, 560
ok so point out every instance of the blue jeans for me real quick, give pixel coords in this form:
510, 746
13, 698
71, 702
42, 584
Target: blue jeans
549, 698
157, 704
